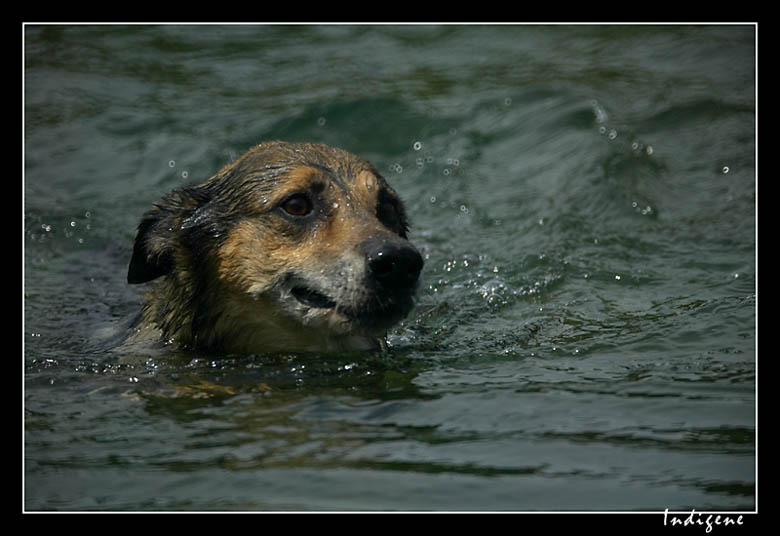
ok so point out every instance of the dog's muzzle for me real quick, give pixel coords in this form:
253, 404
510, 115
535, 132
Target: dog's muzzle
381, 296
392, 270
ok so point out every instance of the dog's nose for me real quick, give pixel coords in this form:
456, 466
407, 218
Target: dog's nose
394, 265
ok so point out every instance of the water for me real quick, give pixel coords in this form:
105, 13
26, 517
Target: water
585, 198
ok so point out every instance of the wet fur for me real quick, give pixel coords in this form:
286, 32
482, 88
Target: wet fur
230, 270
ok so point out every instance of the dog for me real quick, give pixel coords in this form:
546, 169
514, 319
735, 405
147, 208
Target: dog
293, 247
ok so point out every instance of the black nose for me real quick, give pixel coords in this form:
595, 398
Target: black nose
393, 265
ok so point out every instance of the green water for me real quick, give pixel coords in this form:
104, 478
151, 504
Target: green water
585, 198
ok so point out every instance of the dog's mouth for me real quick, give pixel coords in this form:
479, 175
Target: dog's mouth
373, 312
312, 298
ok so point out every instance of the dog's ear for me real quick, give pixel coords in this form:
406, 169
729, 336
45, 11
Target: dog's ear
153, 251
175, 227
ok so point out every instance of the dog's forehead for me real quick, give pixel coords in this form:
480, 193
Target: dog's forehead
270, 172
359, 184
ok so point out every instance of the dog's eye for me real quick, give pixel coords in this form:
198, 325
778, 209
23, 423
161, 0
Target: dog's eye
297, 205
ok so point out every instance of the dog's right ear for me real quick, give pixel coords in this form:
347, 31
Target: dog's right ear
164, 233
153, 248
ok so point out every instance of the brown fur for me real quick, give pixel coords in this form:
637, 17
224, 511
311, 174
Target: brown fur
292, 247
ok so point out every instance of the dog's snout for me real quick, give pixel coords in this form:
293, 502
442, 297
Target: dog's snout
394, 265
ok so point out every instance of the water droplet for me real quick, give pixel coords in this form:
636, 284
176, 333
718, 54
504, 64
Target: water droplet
417, 145
725, 169
321, 121
184, 174
617, 278
171, 163
598, 111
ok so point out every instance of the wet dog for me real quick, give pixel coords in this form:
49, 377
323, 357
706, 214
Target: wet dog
292, 247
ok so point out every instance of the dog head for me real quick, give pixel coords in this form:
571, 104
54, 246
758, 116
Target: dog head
291, 247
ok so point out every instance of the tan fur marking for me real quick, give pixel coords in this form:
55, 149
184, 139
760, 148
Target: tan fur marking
298, 179
244, 261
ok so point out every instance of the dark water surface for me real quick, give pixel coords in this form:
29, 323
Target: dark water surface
585, 198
